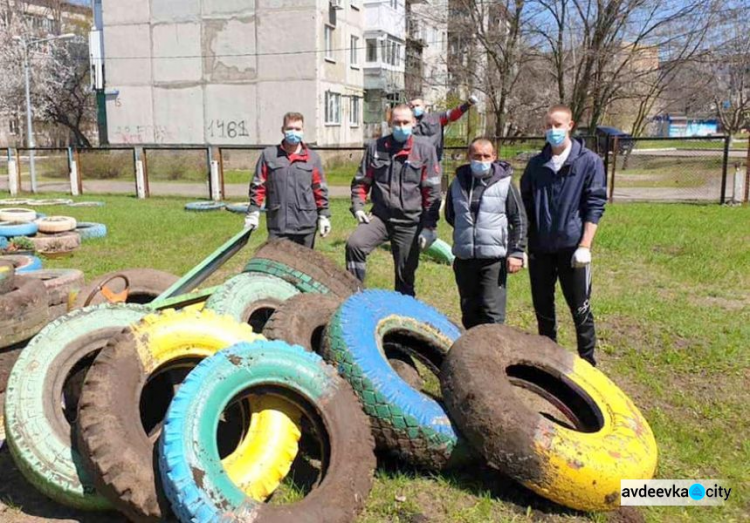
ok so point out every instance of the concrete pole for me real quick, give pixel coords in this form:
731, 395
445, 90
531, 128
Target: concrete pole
29, 125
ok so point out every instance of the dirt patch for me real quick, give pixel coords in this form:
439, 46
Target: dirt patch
730, 304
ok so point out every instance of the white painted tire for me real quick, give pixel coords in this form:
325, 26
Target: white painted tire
57, 224
17, 215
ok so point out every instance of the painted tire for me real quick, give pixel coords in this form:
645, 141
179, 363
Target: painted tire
599, 437
239, 208
3, 242
308, 270
49, 202
54, 224
7, 275
145, 285
405, 421
302, 319
441, 252
39, 436
14, 201
113, 442
12, 229
86, 204
23, 263
197, 486
90, 230
61, 284
17, 215
23, 311
204, 206
251, 298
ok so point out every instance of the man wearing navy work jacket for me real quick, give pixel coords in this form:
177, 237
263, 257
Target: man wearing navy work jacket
289, 178
564, 189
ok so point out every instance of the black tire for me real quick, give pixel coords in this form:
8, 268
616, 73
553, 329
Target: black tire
302, 319
145, 285
305, 264
60, 284
23, 311
7, 273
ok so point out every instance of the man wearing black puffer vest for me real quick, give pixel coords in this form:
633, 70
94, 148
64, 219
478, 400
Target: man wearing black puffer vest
489, 233
564, 189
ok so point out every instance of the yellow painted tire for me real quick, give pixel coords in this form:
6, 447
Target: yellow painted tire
114, 444
497, 381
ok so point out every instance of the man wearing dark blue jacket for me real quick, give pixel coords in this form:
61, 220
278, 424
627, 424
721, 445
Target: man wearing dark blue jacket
564, 189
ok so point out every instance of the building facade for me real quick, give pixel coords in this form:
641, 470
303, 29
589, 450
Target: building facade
226, 71
426, 73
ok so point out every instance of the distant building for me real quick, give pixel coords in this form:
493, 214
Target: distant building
426, 73
678, 126
225, 72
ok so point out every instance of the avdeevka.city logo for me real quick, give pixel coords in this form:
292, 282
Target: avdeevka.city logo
673, 492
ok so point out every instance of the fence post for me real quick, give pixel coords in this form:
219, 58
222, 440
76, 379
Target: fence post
614, 168
73, 170
214, 182
724, 167
141, 185
14, 179
606, 152
747, 172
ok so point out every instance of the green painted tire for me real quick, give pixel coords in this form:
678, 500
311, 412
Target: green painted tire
251, 298
440, 252
37, 430
194, 479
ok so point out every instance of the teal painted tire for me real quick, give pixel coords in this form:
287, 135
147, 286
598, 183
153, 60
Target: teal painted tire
440, 252
38, 433
239, 208
194, 480
90, 230
410, 424
251, 298
204, 206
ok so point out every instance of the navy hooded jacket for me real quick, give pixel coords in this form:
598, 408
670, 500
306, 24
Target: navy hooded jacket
558, 204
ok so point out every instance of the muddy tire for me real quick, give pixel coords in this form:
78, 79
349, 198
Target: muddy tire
7, 273
56, 242
61, 284
303, 267
113, 441
410, 424
546, 417
251, 298
193, 478
38, 430
302, 319
145, 285
23, 311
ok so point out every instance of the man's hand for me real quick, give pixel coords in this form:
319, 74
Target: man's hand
473, 100
324, 226
581, 258
252, 219
426, 238
514, 264
362, 217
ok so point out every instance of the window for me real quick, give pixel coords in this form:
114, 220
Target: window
329, 42
13, 126
333, 108
372, 50
354, 51
394, 4
354, 111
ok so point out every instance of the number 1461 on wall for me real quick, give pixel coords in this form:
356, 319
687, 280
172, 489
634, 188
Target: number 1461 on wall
227, 129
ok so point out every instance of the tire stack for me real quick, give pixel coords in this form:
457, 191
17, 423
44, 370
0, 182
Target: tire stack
56, 235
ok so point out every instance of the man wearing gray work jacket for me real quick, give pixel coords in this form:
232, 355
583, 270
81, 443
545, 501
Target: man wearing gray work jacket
402, 175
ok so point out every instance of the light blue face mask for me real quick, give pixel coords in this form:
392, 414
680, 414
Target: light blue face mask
293, 137
480, 169
401, 133
556, 137
418, 112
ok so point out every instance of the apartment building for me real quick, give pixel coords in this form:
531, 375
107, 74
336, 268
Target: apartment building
225, 72
426, 74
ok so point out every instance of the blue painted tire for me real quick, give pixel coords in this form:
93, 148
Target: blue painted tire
23, 263
204, 206
410, 424
239, 208
11, 229
91, 230
196, 483
3, 242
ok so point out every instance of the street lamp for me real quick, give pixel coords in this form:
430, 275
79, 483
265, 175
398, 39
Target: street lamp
29, 129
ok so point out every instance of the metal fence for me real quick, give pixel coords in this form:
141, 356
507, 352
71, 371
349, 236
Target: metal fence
712, 169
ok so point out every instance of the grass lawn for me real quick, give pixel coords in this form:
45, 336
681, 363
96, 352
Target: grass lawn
672, 301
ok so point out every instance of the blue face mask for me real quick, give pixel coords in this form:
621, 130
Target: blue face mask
556, 137
418, 112
401, 133
293, 137
480, 169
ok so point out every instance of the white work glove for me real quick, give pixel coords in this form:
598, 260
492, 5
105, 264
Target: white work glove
581, 258
473, 100
252, 219
362, 217
324, 226
426, 238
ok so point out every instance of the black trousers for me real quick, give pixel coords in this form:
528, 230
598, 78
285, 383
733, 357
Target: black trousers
404, 247
306, 240
482, 288
544, 270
